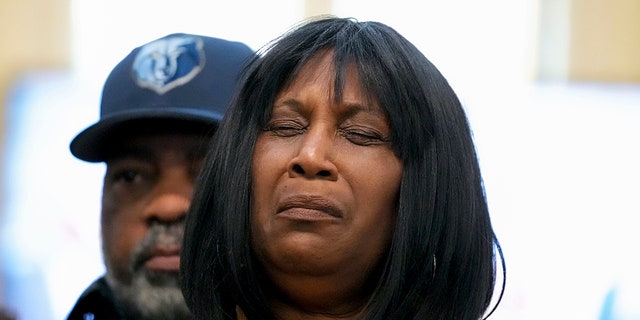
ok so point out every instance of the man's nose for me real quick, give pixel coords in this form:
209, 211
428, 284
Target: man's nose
171, 197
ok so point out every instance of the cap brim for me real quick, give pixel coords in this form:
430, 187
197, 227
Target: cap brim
93, 143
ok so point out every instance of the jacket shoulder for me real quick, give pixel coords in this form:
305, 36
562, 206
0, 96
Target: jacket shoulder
95, 303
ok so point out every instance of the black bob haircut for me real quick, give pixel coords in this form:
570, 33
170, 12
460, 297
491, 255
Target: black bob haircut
441, 263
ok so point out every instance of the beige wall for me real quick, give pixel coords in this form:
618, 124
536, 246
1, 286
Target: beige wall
589, 40
605, 41
33, 34
317, 7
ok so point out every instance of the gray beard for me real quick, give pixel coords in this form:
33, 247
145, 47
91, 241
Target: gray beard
144, 299
151, 295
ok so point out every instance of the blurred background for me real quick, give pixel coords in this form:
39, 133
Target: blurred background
551, 87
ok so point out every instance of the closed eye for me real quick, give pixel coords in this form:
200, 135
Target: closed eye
363, 137
285, 128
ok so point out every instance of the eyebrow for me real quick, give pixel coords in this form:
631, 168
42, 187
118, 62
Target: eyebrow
354, 108
291, 103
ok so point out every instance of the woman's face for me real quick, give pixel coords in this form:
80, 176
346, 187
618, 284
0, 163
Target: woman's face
325, 187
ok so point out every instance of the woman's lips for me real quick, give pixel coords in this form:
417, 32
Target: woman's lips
308, 208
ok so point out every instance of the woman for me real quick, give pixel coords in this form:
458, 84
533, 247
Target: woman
342, 184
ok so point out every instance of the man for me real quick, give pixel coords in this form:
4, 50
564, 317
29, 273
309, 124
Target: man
160, 105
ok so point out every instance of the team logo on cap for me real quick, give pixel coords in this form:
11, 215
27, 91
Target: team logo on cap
166, 63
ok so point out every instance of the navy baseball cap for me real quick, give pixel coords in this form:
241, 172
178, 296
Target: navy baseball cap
177, 81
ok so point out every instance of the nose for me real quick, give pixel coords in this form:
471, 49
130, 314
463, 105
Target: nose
171, 197
314, 157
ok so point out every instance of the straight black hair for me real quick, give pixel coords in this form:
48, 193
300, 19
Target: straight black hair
441, 263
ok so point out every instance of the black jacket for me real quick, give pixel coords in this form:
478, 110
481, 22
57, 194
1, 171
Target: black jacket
96, 303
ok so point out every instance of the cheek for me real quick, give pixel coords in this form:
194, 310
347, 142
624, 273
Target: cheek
377, 191
122, 229
377, 179
268, 164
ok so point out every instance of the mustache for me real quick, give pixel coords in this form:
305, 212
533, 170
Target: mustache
161, 239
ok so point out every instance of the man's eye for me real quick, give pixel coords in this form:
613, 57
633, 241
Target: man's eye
127, 176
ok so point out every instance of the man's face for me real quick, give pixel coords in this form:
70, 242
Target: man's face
146, 194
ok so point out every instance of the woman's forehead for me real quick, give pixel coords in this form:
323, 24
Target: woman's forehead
346, 75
